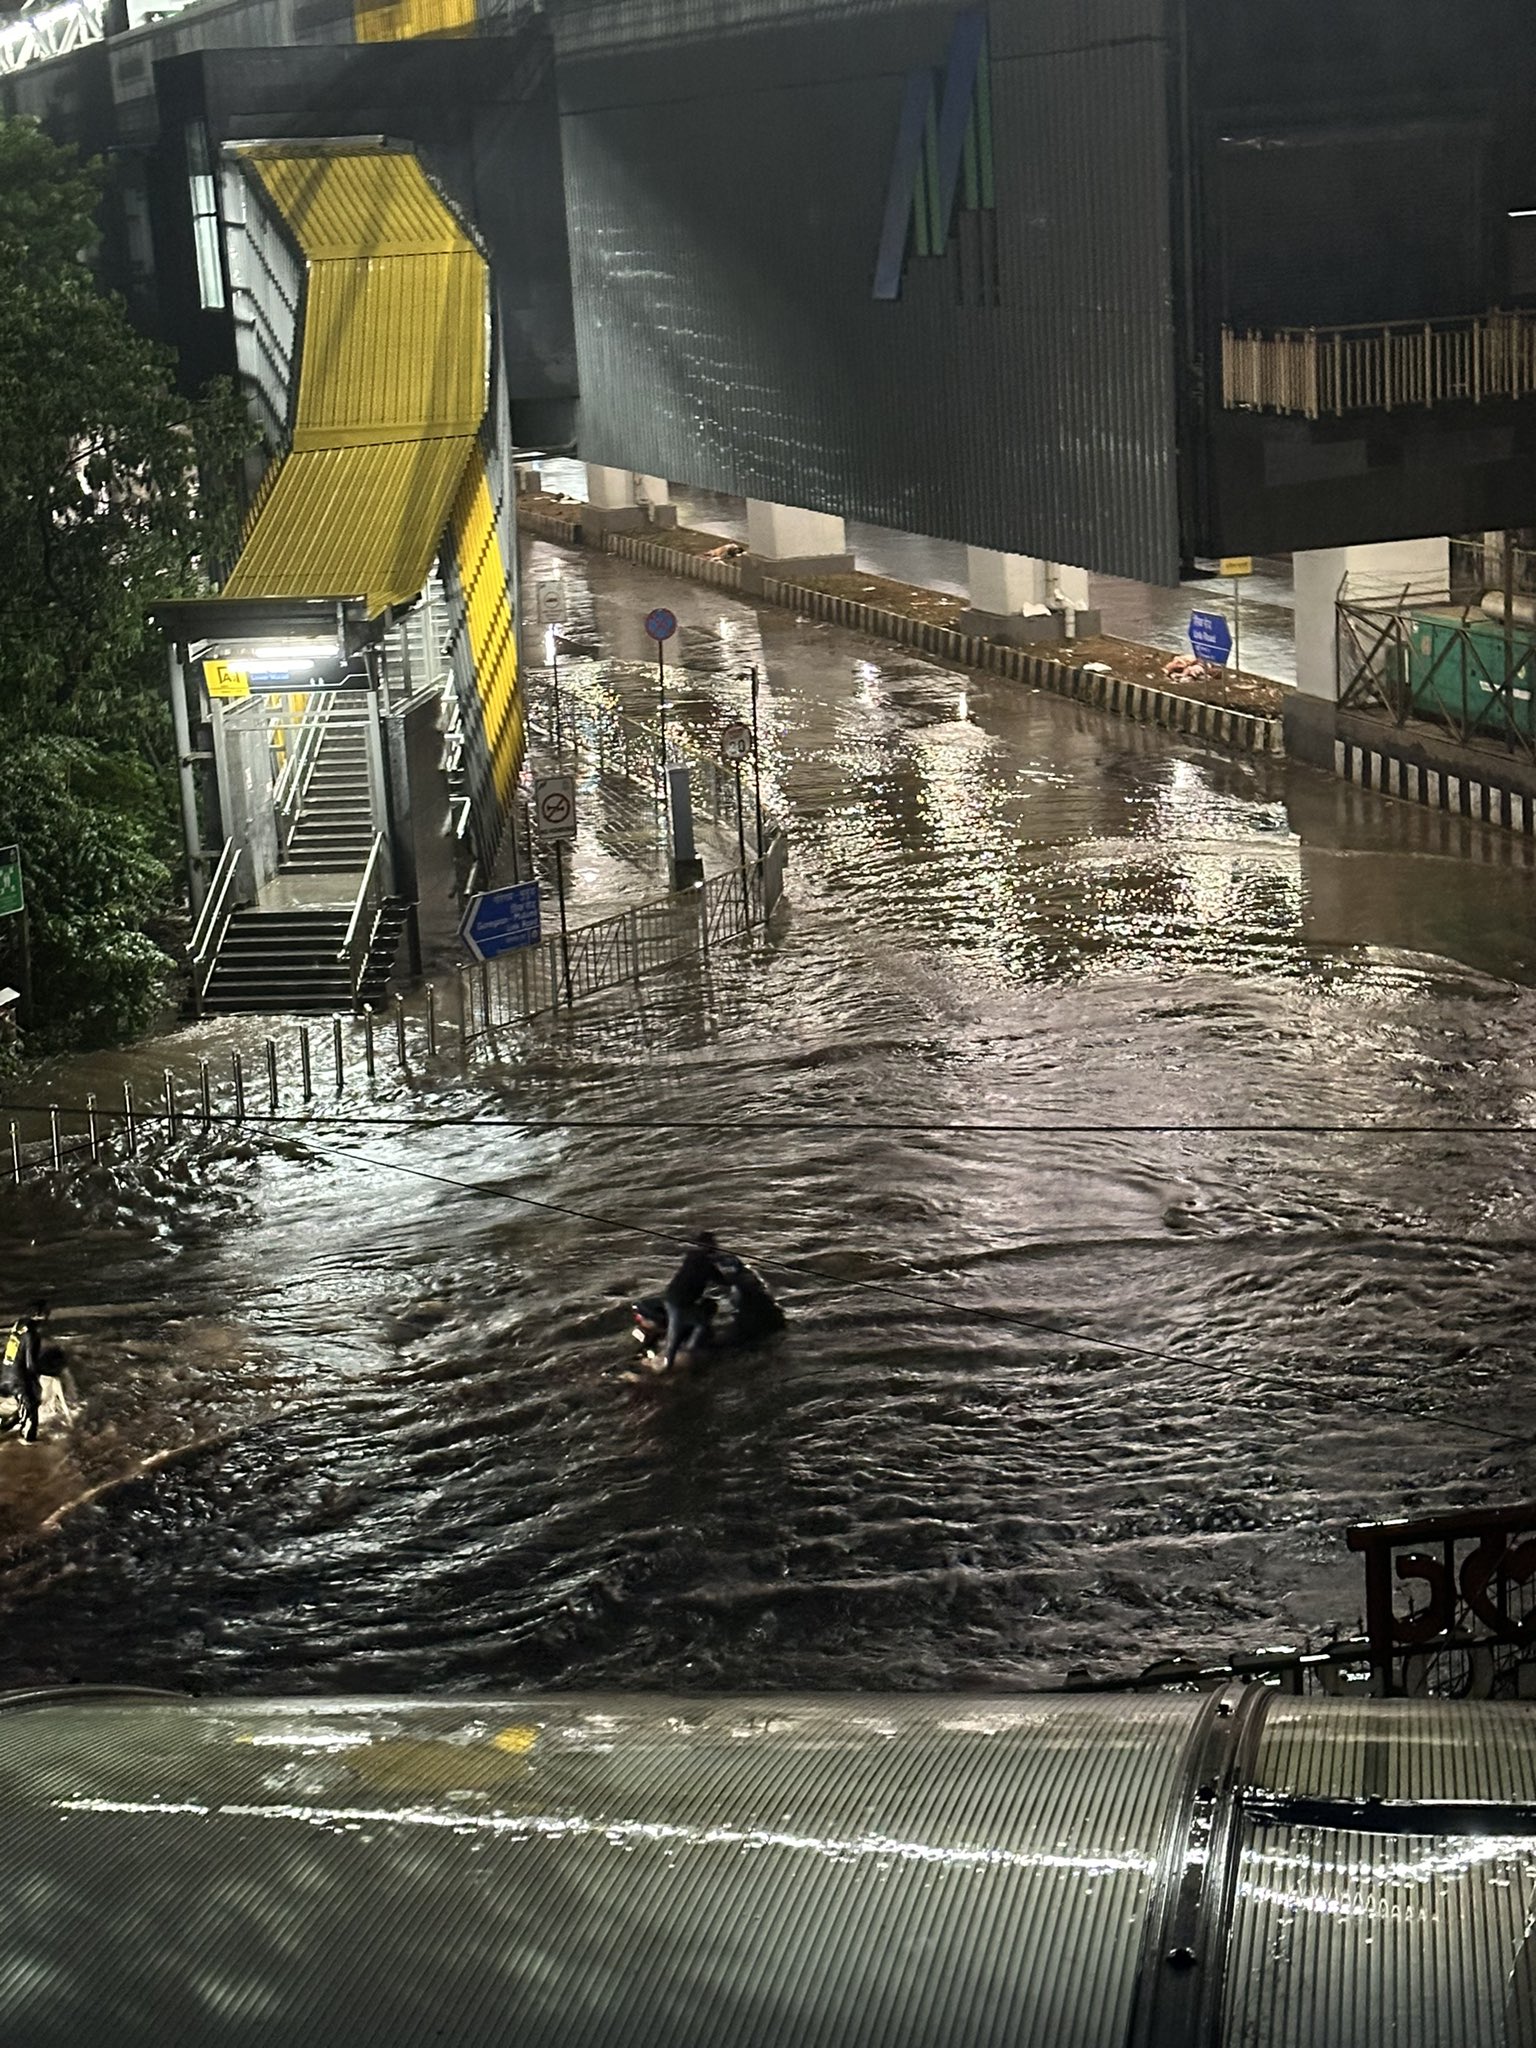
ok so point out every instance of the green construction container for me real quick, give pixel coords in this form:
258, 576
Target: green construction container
1457, 663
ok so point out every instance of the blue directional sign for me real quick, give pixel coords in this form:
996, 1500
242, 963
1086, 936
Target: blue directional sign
1211, 637
501, 920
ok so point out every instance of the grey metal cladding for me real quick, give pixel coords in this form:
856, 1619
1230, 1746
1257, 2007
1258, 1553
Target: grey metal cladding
725, 200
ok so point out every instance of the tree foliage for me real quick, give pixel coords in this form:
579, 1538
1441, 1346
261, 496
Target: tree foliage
112, 497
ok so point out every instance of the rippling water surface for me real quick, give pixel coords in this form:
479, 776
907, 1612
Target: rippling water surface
1073, 1379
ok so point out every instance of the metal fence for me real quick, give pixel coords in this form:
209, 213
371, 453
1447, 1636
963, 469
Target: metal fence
629, 748
1320, 372
624, 951
1448, 664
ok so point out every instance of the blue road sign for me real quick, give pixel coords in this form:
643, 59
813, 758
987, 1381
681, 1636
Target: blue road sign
1211, 637
661, 624
502, 920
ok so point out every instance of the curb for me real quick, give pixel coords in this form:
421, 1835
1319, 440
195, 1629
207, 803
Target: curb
1389, 773
1247, 732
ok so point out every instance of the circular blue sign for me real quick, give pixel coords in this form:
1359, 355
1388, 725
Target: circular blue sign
661, 624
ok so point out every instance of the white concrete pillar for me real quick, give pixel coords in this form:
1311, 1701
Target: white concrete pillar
1007, 586
788, 533
1385, 569
1072, 588
611, 490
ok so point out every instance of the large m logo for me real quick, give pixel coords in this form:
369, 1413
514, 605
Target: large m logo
943, 154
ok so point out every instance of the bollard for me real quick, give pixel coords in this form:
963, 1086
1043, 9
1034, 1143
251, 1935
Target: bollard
368, 1039
461, 980
336, 1056
237, 1069
633, 924
15, 1157
53, 1137
205, 1093
400, 1030
485, 997
171, 1123
431, 1022
130, 1123
306, 1072
271, 1077
92, 1132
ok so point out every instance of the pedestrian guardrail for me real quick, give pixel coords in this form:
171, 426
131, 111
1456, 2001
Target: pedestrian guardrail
307, 1062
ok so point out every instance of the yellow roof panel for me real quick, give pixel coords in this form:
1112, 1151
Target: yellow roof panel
397, 21
353, 522
393, 345
352, 203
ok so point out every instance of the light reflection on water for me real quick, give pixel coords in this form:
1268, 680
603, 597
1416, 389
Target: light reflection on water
385, 1440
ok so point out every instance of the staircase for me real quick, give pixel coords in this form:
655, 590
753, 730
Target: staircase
290, 961
334, 828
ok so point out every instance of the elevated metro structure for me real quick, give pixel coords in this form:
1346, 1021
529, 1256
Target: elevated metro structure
1091, 286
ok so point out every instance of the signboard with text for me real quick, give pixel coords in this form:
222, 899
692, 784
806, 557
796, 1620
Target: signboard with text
501, 920
554, 807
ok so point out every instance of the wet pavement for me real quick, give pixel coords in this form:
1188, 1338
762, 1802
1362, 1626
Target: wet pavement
1111, 1114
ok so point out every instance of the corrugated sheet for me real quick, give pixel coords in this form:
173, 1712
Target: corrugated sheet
725, 199
482, 584
348, 202
392, 380
398, 21
1398, 1749
350, 522
393, 346
626, 1872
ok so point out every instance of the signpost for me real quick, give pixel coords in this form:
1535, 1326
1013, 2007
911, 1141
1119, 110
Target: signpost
1237, 567
757, 770
220, 680
554, 819
500, 920
13, 903
735, 746
661, 625
1211, 637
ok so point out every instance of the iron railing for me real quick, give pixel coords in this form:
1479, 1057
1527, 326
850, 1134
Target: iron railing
1449, 663
219, 906
618, 951
371, 892
1327, 372
300, 758
630, 748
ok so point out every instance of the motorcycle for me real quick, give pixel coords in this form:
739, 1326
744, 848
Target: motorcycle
751, 1315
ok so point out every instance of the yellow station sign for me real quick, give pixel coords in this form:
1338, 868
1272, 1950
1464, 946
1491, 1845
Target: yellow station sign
223, 681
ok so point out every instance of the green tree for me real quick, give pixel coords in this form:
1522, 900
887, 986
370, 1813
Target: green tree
114, 495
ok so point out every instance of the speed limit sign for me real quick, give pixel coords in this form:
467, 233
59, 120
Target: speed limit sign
736, 742
554, 806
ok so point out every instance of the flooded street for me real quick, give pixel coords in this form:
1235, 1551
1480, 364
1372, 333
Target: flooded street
1106, 1113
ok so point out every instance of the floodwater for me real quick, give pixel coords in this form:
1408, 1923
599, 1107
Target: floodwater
1111, 1114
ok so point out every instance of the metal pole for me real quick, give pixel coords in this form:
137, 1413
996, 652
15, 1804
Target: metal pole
757, 772
431, 1021
172, 1120
237, 1069
130, 1124
461, 989
306, 1068
400, 1030
15, 1156
271, 1057
485, 994
336, 1055
554, 658
368, 1039
1237, 625
53, 1137
92, 1131
197, 881
565, 937
661, 690
205, 1090
741, 849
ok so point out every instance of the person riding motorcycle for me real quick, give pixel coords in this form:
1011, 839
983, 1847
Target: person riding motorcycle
22, 1365
754, 1311
687, 1317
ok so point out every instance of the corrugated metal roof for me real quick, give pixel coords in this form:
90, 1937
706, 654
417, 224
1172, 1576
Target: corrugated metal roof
356, 202
393, 379
393, 346
359, 521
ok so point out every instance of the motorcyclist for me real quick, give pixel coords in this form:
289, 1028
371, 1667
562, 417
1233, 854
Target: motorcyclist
756, 1312
686, 1316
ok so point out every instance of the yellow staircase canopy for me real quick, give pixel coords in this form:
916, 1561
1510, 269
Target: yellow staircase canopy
392, 383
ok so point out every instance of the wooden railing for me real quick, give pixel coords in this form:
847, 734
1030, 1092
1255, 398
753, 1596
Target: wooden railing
1323, 372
